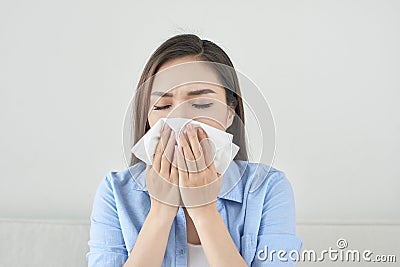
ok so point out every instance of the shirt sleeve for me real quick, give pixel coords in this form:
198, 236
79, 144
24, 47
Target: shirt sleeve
106, 244
277, 243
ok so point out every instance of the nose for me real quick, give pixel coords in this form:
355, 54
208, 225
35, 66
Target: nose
181, 110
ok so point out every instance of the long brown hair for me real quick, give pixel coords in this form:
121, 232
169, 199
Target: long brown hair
190, 45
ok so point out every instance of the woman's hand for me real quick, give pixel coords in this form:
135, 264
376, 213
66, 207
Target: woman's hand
199, 181
162, 176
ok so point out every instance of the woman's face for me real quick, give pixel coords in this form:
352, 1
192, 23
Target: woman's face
200, 101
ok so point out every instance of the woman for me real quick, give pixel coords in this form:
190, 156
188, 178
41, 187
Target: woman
132, 226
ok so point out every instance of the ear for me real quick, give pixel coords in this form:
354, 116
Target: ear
230, 117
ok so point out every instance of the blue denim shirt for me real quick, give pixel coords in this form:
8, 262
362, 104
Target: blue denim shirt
259, 213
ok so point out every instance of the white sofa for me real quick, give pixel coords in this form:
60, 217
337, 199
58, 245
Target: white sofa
51, 243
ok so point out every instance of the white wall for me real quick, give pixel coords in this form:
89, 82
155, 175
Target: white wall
329, 70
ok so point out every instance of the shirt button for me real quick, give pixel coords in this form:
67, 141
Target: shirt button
181, 251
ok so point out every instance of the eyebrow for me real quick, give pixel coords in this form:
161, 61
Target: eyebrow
191, 93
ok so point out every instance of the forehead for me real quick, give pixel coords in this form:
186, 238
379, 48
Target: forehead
180, 76
191, 90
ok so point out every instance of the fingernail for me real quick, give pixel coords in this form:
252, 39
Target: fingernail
189, 127
200, 131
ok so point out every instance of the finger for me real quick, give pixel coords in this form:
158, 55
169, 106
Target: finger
182, 168
160, 148
201, 133
187, 153
195, 147
201, 161
166, 158
174, 176
148, 167
208, 149
212, 167
150, 179
193, 141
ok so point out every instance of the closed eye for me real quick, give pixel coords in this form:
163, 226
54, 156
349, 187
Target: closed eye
161, 107
198, 106
202, 105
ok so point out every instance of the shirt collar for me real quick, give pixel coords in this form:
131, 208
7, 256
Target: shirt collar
232, 183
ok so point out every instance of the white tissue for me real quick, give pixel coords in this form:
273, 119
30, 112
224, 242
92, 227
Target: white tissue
225, 149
